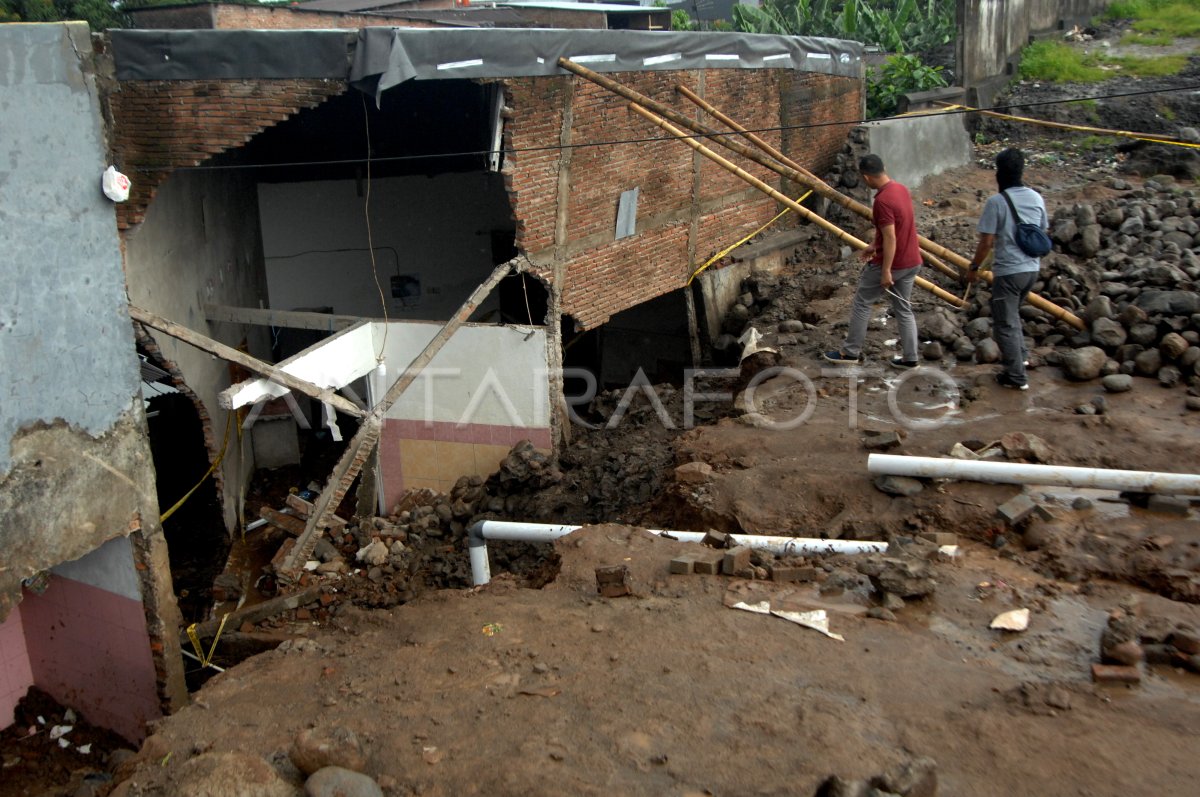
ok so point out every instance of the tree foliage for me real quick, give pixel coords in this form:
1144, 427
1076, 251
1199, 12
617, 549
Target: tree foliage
896, 26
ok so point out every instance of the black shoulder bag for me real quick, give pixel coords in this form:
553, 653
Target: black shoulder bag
1031, 239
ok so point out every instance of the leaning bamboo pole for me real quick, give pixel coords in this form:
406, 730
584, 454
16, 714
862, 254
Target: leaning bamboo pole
779, 197
818, 186
813, 182
931, 250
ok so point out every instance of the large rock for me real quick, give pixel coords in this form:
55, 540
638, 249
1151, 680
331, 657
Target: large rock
936, 326
1100, 307
987, 351
1169, 302
1020, 445
1108, 332
1148, 363
1117, 383
978, 328
1089, 241
1083, 364
1173, 345
338, 782
230, 775
898, 485
317, 748
904, 576
1143, 334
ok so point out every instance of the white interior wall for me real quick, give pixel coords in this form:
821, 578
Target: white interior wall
483, 375
436, 229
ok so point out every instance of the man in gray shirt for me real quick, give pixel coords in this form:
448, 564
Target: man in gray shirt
1015, 272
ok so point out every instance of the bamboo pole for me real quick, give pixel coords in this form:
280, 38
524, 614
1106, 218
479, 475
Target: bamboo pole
359, 449
1153, 138
779, 197
830, 192
793, 174
205, 343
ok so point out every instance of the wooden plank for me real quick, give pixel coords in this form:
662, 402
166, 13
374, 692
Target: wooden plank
290, 523
367, 436
291, 319
231, 354
260, 611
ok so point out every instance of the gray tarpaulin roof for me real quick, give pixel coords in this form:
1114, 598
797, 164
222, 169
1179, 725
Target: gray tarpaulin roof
377, 58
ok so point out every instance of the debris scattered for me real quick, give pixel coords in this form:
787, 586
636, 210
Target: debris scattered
1012, 620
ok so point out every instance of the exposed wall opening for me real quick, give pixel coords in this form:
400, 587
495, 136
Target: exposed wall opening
197, 541
652, 336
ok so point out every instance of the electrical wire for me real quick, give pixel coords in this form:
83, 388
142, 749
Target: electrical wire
646, 140
370, 242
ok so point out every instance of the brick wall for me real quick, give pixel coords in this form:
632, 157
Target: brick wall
163, 125
688, 207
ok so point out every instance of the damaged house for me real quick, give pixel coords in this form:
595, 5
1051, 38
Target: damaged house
384, 244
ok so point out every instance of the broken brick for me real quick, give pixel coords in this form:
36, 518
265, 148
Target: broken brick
614, 581
1016, 509
1116, 674
786, 573
716, 539
940, 538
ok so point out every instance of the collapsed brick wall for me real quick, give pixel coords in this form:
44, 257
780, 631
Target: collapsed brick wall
565, 201
163, 125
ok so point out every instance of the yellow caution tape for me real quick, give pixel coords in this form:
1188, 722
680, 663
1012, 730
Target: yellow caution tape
192, 635
730, 248
209, 472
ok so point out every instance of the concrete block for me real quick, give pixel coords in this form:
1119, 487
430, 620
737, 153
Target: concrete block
716, 539
275, 441
708, 563
1017, 509
736, 560
1168, 505
795, 574
683, 564
940, 538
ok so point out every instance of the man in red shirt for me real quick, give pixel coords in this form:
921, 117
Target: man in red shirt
894, 256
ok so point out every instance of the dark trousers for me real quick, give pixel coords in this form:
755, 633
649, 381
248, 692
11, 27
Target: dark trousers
1008, 294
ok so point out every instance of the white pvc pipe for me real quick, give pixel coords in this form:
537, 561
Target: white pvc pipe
1141, 481
485, 530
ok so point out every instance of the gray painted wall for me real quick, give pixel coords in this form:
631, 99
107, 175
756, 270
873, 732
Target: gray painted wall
75, 467
916, 147
66, 348
110, 567
200, 243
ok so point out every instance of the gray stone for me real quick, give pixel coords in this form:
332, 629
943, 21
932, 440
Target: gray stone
1169, 376
978, 328
791, 326
1179, 238
1085, 409
1132, 226
1147, 363
1143, 334
1192, 403
1117, 383
1085, 214
1100, 307
1065, 231
1169, 302
1089, 240
1017, 509
987, 351
898, 485
905, 576
936, 326
1020, 445
1108, 332
1132, 314
1168, 505
338, 782
933, 350
1083, 364
1112, 218
317, 748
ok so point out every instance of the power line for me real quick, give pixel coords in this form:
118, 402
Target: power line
653, 139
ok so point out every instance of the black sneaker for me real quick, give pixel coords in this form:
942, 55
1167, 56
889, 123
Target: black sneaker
1003, 380
842, 358
904, 365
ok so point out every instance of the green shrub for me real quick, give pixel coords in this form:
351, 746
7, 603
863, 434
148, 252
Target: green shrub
900, 74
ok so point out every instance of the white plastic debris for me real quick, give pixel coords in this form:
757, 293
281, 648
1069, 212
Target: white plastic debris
374, 554
115, 185
1014, 620
84, 749
60, 730
69, 717
816, 619
63, 743
312, 564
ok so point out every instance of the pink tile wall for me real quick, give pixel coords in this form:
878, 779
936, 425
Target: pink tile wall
90, 650
16, 676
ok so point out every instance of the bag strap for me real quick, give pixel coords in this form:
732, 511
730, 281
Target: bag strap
1011, 206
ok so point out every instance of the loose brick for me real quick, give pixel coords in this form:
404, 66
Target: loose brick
788, 573
614, 581
1116, 673
1016, 509
736, 560
708, 563
716, 539
683, 564
940, 538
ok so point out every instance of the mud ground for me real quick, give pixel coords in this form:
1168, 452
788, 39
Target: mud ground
508, 690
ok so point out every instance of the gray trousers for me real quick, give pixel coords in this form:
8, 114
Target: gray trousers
869, 292
1008, 294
